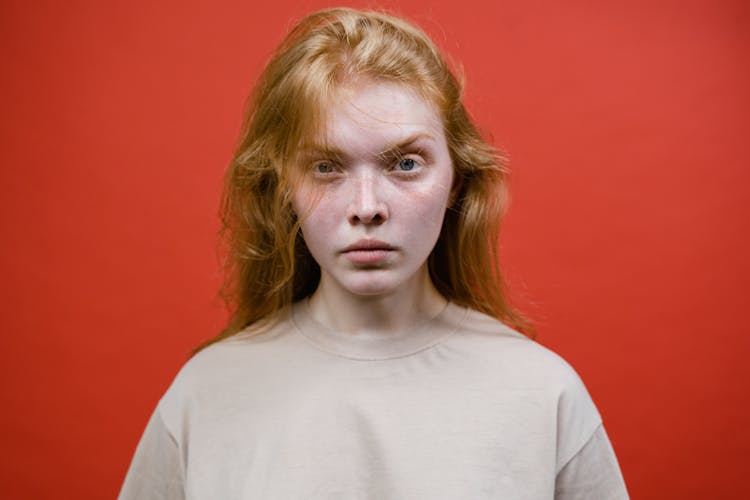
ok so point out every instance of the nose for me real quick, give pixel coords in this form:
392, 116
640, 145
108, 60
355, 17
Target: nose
367, 205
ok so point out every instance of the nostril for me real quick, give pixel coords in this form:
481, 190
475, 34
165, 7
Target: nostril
375, 218
366, 206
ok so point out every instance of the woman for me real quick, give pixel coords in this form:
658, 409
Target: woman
370, 353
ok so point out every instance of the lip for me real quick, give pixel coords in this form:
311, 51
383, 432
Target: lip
368, 252
368, 244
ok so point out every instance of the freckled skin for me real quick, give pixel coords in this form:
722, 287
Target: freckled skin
372, 190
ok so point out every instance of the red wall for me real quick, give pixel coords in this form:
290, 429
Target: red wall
627, 124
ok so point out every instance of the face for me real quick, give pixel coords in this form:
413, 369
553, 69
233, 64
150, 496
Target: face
372, 202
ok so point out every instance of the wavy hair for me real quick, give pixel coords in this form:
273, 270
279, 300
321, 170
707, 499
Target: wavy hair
267, 265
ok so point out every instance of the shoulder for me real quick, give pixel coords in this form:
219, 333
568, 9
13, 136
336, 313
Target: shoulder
245, 350
250, 359
489, 341
514, 362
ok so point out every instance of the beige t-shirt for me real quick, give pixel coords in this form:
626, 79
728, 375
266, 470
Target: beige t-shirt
459, 407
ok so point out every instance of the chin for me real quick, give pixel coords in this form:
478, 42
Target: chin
370, 285
371, 289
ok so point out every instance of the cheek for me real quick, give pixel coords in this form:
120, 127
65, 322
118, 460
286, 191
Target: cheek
434, 199
303, 201
430, 204
318, 221
310, 206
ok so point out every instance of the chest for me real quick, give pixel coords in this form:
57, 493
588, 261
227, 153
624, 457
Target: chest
379, 435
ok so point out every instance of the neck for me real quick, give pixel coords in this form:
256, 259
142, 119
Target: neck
413, 302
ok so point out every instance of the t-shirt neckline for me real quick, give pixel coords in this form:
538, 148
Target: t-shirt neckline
417, 338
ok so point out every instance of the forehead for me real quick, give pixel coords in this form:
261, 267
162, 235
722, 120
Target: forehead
372, 113
380, 105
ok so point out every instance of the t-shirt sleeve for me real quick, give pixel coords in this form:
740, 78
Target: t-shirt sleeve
156, 471
593, 473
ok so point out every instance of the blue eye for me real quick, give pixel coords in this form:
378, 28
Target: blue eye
407, 164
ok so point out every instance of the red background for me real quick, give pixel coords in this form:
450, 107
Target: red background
627, 241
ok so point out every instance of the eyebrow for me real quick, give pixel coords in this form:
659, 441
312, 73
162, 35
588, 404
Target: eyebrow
336, 153
404, 143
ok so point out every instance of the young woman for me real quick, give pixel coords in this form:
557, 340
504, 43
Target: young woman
371, 352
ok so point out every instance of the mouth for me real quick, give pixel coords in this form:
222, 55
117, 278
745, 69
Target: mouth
368, 252
368, 245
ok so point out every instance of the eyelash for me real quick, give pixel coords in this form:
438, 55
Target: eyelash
395, 160
416, 160
331, 164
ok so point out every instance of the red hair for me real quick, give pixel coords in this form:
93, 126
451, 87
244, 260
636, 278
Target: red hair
267, 265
